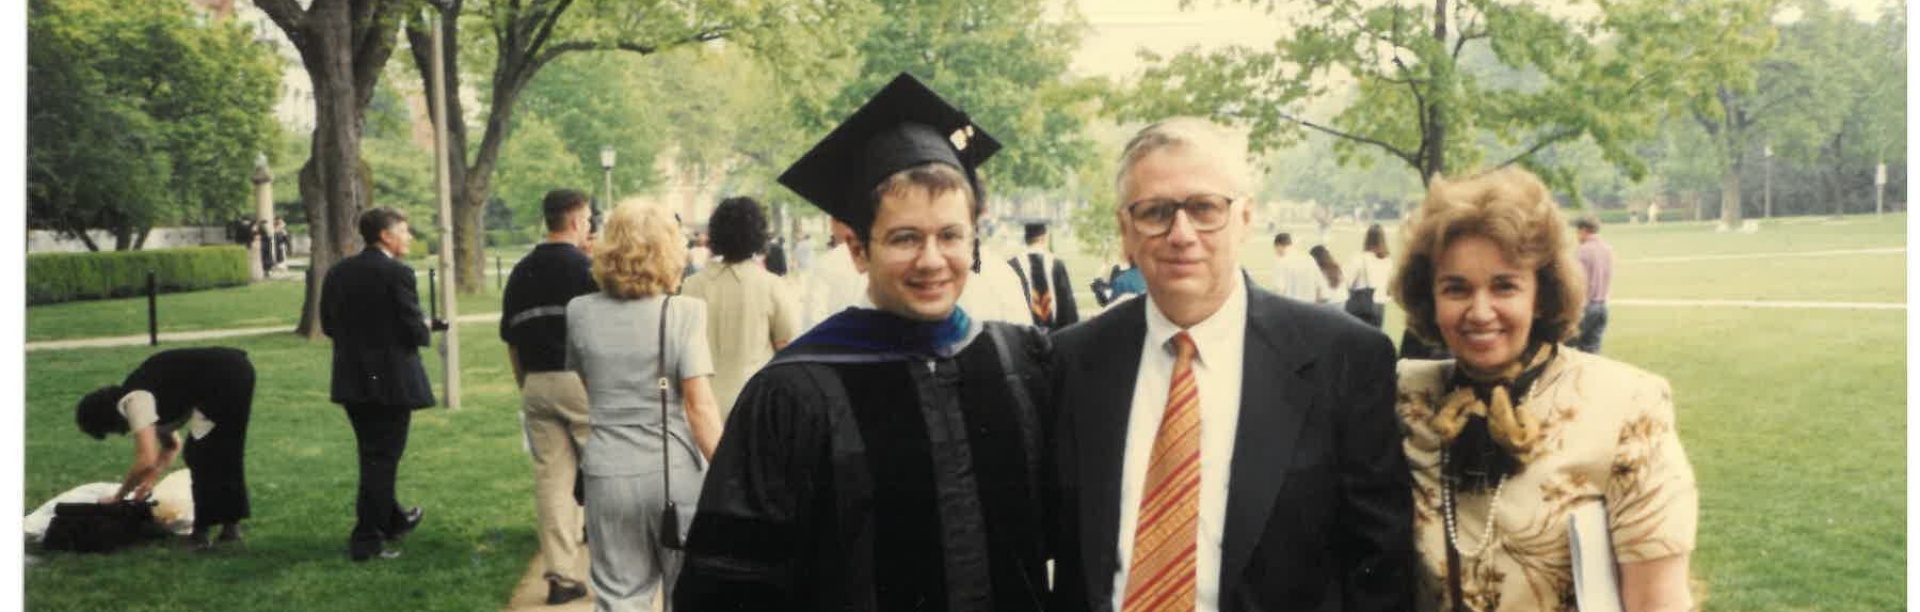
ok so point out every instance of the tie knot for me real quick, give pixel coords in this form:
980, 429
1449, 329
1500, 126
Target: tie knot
1183, 347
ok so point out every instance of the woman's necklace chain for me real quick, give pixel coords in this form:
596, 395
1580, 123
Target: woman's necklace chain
1448, 514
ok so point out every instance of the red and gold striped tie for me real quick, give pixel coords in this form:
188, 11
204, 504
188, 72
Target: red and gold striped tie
1161, 576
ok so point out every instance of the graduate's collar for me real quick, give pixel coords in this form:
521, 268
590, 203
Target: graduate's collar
866, 335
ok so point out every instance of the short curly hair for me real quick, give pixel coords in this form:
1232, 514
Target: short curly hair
639, 253
738, 229
1512, 208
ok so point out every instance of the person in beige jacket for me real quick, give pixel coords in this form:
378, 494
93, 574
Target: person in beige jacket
750, 312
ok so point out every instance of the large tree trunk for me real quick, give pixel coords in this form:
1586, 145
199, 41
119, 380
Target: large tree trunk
343, 45
1730, 197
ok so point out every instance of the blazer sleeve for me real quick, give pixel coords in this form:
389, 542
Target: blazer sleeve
407, 295
1373, 543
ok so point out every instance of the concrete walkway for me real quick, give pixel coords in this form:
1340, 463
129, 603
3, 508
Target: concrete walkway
532, 592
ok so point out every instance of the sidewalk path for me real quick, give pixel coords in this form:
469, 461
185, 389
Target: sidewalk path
190, 336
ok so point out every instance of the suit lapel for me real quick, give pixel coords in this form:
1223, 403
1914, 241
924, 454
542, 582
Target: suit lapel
1275, 395
1101, 426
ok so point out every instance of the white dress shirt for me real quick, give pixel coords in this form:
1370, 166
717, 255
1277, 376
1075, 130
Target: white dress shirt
1220, 343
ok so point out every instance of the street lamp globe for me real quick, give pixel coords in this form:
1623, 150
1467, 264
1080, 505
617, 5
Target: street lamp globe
606, 157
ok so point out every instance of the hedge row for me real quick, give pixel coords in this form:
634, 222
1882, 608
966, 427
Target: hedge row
64, 277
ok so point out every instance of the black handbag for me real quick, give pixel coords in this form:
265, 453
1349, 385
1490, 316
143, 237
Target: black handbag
99, 528
1360, 302
670, 513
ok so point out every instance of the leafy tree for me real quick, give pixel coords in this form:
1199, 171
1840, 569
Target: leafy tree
1449, 85
523, 38
1001, 61
140, 115
344, 45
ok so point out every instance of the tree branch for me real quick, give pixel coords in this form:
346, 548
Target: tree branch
1388, 147
1563, 134
557, 49
288, 15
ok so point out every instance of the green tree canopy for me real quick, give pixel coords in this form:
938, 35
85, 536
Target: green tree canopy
140, 114
1456, 85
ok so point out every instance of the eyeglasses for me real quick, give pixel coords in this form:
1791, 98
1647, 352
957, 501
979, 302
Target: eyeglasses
1206, 212
907, 244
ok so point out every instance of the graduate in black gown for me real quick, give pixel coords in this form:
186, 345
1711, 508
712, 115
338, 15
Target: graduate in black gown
889, 458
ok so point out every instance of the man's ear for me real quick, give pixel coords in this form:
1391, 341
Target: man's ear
857, 248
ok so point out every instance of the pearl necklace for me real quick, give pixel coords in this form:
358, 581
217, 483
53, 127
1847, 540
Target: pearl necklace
1447, 512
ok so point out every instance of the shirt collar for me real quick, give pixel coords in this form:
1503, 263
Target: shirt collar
1210, 335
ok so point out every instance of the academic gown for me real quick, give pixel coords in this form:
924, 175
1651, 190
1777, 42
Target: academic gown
851, 478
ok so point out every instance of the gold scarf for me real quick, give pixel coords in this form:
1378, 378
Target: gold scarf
1511, 426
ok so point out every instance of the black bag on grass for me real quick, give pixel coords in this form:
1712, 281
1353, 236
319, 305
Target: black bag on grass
99, 528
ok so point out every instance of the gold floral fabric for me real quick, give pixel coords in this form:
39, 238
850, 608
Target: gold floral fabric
1608, 431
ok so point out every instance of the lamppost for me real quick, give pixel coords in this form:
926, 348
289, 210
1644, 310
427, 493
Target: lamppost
1767, 182
606, 171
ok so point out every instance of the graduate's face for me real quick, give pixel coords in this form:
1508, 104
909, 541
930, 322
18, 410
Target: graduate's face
918, 253
1189, 272
1483, 303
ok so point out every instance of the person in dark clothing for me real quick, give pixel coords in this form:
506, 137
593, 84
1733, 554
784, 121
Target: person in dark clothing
370, 307
890, 459
282, 242
533, 323
776, 258
1044, 278
208, 392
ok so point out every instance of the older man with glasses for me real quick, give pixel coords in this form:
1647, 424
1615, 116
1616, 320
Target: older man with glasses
1219, 447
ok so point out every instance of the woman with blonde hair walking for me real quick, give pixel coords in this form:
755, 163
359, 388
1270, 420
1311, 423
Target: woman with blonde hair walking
643, 356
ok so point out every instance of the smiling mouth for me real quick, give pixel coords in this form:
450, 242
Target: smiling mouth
1483, 336
928, 286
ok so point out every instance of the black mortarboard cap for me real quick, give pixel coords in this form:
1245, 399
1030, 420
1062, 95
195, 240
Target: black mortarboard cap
1036, 229
902, 126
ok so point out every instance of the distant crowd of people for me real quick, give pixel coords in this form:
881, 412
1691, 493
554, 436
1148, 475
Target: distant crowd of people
930, 430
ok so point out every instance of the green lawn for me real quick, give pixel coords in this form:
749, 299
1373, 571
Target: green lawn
465, 467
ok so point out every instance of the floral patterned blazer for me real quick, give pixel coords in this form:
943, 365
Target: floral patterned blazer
1608, 432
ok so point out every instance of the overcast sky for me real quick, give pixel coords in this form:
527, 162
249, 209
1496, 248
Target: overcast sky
1119, 27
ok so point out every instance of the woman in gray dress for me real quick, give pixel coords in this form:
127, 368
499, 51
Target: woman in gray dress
614, 343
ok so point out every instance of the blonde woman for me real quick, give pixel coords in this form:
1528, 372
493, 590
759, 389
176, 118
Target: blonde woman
614, 343
1508, 438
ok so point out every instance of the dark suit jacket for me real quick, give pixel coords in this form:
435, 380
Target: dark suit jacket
1319, 511
371, 309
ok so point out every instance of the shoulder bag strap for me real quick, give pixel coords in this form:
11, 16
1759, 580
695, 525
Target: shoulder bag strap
666, 469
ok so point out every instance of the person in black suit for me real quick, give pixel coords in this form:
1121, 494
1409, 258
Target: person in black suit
1219, 447
370, 307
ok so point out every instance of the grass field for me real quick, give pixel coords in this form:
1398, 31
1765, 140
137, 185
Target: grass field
466, 468
1794, 421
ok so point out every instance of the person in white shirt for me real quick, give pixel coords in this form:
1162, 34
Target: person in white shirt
1294, 275
995, 292
1371, 271
835, 284
1219, 447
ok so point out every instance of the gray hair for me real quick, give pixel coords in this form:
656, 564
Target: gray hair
1227, 147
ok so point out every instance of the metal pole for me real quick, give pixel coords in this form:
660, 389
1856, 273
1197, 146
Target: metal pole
608, 174
1880, 189
1767, 210
153, 311
499, 282
450, 341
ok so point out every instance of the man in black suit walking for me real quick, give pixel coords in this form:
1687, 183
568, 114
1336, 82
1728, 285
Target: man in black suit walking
370, 307
1219, 447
